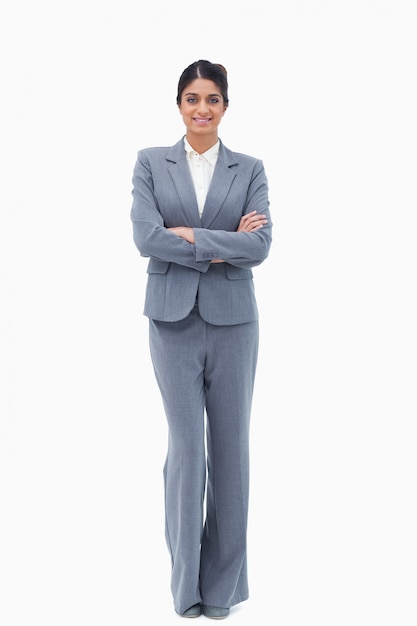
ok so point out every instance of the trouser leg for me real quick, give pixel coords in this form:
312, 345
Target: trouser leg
178, 355
199, 366
229, 379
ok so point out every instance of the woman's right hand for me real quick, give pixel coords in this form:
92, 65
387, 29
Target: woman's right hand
250, 222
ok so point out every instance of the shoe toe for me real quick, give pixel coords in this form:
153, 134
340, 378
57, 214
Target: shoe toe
193, 611
215, 612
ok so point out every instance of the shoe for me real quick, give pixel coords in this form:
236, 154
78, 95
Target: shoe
193, 611
215, 612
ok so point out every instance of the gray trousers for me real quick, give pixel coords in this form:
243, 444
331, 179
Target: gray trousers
206, 370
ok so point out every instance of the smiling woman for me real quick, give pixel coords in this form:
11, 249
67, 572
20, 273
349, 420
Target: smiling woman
202, 104
201, 214
202, 110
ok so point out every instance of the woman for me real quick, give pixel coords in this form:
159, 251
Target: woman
201, 214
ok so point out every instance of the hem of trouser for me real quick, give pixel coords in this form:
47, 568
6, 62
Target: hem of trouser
226, 604
181, 608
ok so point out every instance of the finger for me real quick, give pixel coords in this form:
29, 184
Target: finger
248, 216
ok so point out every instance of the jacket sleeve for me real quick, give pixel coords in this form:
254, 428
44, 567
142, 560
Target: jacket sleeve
241, 249
149, 233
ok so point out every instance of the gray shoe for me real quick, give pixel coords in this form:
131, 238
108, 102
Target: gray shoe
193, 611
215, 612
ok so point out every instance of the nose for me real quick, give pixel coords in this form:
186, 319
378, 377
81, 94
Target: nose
203, 107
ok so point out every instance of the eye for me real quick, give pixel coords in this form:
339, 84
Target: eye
191, 100
214, 100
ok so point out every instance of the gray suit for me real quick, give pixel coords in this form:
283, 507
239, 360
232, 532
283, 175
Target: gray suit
204, 339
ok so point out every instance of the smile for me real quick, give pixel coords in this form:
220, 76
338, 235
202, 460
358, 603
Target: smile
202, 120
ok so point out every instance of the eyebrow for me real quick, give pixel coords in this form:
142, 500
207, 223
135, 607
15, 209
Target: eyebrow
210, 95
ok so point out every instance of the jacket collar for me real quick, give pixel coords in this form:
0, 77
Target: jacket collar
223, 176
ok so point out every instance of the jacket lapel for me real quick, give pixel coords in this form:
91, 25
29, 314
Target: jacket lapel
181, 177
221, 182
223, 176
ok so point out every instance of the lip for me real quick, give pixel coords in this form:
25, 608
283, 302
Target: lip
202, 120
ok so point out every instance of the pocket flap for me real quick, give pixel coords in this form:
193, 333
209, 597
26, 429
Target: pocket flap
238, 273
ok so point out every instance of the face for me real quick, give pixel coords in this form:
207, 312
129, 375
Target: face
202, 107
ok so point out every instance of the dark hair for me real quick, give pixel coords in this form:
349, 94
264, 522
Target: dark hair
204, 69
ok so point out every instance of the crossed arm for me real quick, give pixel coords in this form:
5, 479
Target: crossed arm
248, 224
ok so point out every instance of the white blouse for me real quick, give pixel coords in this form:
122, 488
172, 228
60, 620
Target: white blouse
201, 168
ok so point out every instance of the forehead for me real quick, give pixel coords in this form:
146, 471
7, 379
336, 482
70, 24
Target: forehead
202, 86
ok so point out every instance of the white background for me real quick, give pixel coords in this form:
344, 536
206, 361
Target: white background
325, 93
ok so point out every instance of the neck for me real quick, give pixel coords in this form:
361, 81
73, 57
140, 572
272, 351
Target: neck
201, 143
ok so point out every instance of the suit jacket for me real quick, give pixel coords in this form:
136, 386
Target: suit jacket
163, 197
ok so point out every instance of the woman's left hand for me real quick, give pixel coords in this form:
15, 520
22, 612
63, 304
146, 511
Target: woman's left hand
184, 232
